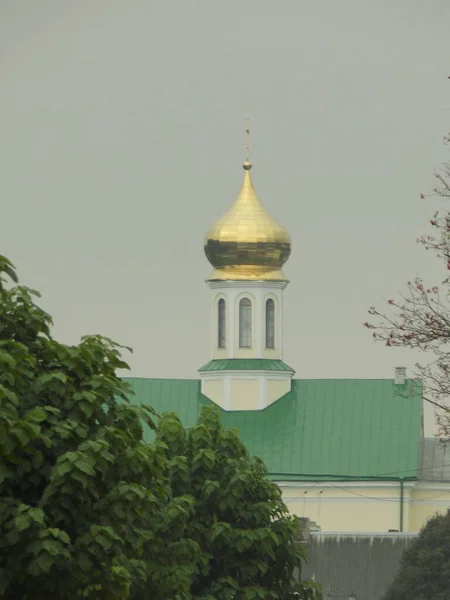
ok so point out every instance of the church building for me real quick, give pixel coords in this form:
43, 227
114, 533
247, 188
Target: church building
348, 454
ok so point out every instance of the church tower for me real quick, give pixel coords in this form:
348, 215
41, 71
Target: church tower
247, 249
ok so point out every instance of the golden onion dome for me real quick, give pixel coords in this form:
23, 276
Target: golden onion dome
247, 243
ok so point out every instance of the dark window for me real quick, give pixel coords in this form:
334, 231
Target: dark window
270, 323
245, 323
222, 323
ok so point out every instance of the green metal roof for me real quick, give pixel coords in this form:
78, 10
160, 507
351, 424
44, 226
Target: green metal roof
246, 364
321, 430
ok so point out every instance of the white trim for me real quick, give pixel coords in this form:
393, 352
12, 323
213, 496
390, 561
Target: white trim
240, 376
263, 393
345, 484
437, 485
227, 393
259, 314
346, 500
231, 329
432, 502
394, 534
247, 284
276, 375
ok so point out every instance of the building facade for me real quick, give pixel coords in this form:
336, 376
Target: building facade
348, 454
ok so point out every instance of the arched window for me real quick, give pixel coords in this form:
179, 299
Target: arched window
270, 323
245, 323
221, 324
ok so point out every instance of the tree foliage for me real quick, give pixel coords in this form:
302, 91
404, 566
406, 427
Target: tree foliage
83, 500
420, 318
240, 523
425, 570
88, 509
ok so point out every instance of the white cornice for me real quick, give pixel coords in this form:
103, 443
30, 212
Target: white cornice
345, 484
431, 502
356, 534
433, 485
246, 374
246, 284
346, 500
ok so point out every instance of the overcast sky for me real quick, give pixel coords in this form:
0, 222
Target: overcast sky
122, 141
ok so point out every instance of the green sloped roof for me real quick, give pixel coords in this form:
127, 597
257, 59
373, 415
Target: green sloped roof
246, 364
322, 430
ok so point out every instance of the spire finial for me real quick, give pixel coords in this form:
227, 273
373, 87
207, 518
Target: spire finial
247, 163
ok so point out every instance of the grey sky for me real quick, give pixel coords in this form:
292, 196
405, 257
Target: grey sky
122, 138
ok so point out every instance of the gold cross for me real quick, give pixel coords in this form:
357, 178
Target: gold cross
247, 138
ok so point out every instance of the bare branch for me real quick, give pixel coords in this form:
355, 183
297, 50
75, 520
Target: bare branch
420, 318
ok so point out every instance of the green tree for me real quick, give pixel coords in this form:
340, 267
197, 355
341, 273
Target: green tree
425, 570
83, 500
246, 536
88, 509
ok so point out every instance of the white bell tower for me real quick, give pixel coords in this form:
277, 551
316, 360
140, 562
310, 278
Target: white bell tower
247, 249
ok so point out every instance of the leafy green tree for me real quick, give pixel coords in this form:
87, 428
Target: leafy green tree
425, 570
83, 500
246, 536
90, 510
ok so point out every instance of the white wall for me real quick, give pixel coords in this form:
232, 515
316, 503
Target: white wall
258, 292
366, 506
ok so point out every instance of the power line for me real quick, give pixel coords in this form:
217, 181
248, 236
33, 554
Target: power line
393, 473
383, 499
